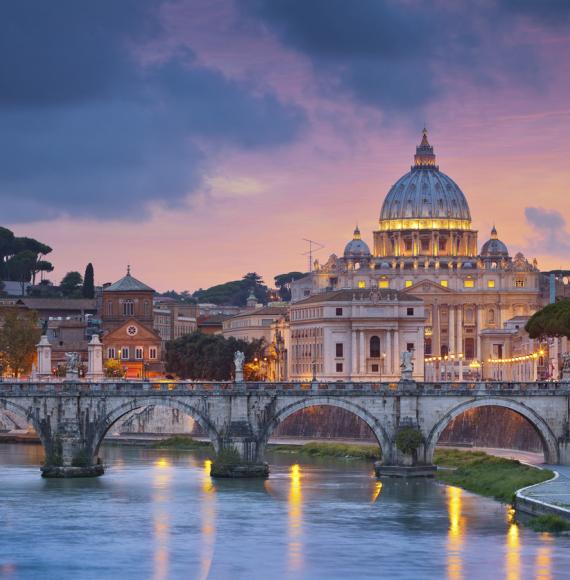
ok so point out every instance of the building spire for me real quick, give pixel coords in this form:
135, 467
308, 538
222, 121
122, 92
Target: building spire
494, 235
128, 269
356, 235
424, 157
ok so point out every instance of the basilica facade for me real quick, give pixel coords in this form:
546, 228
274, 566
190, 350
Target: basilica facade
425, 247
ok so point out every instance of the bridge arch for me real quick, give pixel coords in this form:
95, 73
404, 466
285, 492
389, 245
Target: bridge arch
31, 418
546, 435
380, 433
124, 409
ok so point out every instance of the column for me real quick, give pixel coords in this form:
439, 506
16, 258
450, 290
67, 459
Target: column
95, 359
396, 354
353, 358
459, 334
419, 368
479, 328
362, 369
388, 342
43, 364
435, 336
451, 330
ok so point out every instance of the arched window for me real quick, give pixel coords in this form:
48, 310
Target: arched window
128, 307
375, 347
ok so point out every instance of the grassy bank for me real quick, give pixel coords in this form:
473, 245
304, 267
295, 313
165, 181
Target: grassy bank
180, 442
341, 450
549, 523
487, 475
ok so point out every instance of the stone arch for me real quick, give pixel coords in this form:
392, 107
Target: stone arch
119, 412
546, 435
382, 437
30, 417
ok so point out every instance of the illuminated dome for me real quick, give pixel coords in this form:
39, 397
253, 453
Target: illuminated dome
356, 248
425, 198
494, 248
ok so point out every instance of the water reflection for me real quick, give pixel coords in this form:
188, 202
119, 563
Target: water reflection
455, 534
543, 561
513, 559
295, 519
208, 529
376, 491
162, 474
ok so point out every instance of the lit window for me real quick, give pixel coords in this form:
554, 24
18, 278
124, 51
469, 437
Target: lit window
152, 352
519, 283
468, 283
139, 352
125, 353
408, 283
490, 283
383, 284
444, 283
361, 284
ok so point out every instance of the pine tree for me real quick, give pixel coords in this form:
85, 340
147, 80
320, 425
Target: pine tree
88, 290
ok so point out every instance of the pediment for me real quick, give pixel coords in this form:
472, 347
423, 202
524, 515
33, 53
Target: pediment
123, 332
427, 287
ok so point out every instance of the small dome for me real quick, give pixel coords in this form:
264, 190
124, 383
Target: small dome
356, 248
494, 248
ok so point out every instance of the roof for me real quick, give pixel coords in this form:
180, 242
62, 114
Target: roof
264, 311
128, 284
60, 303
348, 295
213, 320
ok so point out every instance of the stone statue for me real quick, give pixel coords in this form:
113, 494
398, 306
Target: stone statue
73, 362
406, 366
566, 366
239, 358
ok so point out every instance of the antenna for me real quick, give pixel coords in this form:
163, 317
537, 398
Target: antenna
313, 247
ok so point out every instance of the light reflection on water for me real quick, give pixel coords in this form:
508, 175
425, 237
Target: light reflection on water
158, 514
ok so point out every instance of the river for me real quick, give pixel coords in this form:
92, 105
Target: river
157, 514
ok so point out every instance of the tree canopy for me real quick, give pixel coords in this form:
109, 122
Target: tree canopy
552, 320
88, 290
70, 284
283, 283
234, 293
208, 356
19, 335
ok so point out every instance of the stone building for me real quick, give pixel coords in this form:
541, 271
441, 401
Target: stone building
355, 335
425, 246
254, 324
128, 333
174, 319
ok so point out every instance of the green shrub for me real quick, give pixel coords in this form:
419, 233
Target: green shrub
180, 442
344, 450
228, 455
408, 440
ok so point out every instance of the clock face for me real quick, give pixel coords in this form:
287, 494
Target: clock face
132, 330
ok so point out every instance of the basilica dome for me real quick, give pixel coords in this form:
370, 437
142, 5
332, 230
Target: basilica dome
356, 248
425, 198
494, 248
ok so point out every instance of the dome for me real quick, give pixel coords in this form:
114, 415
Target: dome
356, 248
494, 248
425, 198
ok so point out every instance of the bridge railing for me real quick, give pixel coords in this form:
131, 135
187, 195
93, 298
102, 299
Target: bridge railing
183, 387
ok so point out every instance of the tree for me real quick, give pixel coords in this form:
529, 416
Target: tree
552, 320
21, 266
207, 356
14, 253
19, 335
283, 283
70, 284
235, 292
88, 290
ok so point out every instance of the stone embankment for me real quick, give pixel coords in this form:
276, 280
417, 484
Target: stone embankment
549, 498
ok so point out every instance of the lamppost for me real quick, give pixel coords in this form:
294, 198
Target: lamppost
382, 357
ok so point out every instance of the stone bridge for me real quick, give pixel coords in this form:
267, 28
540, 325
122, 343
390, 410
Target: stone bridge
72, 419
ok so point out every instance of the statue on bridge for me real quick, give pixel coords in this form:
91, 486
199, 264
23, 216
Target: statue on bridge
406, 366
73, 362
565, 376
239, 359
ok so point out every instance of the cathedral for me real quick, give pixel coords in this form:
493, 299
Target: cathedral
424, 248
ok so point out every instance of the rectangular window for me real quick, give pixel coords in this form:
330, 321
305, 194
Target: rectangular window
490, 283
410, 311
519, 283
339, 311
444, 283
408, 245
139, 353
410, 347
383, 284
374, 368
339, 367
468, 283
361, 284
442, 244
425, 245
125, 353
152, 354
111, 352
339, 350
408, 283
109, 308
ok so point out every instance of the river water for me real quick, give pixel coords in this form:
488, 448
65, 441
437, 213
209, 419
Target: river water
157, 514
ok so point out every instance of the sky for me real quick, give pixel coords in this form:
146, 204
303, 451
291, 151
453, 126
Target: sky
198, 140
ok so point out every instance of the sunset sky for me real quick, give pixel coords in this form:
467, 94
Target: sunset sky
198, 140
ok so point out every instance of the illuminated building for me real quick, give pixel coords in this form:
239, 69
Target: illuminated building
425, 246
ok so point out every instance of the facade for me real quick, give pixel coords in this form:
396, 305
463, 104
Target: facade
425, 246
254, 324
355, 335
128, 327
174, 319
